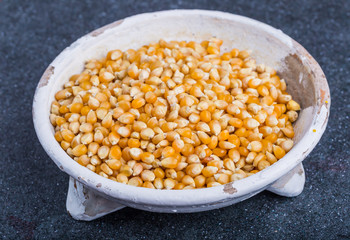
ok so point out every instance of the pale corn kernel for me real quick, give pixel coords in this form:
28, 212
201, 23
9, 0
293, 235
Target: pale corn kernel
271, 158
215, 127
250, 157
222, 178
259, 157
181, 166
91, 167
271, 121
148, 175
137, 169
292, 115
226, 145
239, 174
169, 183
193, 158
135, 153
255, 146
103, 174
126, 170
126, 118
229, 164
98, 136
284, 98
158, 183
103, 152
74, 127
194, 169
202, 126
95, 160
251, 123
135, 181
101, 113
213, 184
106, 169
170, 173
124, 131
287, 145
169, 162
122, 178
86, 127
147, 134
188, 180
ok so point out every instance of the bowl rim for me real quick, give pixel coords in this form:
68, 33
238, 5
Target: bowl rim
140, 195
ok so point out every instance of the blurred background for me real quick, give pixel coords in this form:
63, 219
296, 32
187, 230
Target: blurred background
33, 190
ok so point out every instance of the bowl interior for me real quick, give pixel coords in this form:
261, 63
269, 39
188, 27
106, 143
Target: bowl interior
268, 45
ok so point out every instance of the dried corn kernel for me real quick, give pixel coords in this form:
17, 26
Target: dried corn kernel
175, 115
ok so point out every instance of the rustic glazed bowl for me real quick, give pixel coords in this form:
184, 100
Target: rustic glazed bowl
91, 196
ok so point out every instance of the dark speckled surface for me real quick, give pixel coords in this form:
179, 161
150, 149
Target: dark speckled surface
33, 190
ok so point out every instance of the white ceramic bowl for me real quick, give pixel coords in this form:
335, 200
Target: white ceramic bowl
91, 195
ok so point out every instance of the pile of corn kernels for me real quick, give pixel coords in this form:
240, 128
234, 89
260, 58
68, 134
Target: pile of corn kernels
175, 115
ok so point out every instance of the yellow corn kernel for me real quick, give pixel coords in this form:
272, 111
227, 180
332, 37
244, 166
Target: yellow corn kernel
159, 173
114, 164
289, 132
213, 142
209, 171
199, 181
67, 135
187, 150
226, 145
224, 135
138, 103
147, 157
169, 162
278, 152
147, 184
79, 150
205, 138
168, 152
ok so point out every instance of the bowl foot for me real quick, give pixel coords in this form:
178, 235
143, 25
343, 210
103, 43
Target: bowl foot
84, 204
291, 184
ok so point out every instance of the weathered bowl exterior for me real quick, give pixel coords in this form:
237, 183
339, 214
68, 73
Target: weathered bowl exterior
305, 79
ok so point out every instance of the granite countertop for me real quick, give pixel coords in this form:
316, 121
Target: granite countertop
33, 190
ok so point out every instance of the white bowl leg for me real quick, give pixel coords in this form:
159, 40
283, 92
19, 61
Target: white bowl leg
84, 204
291, 184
